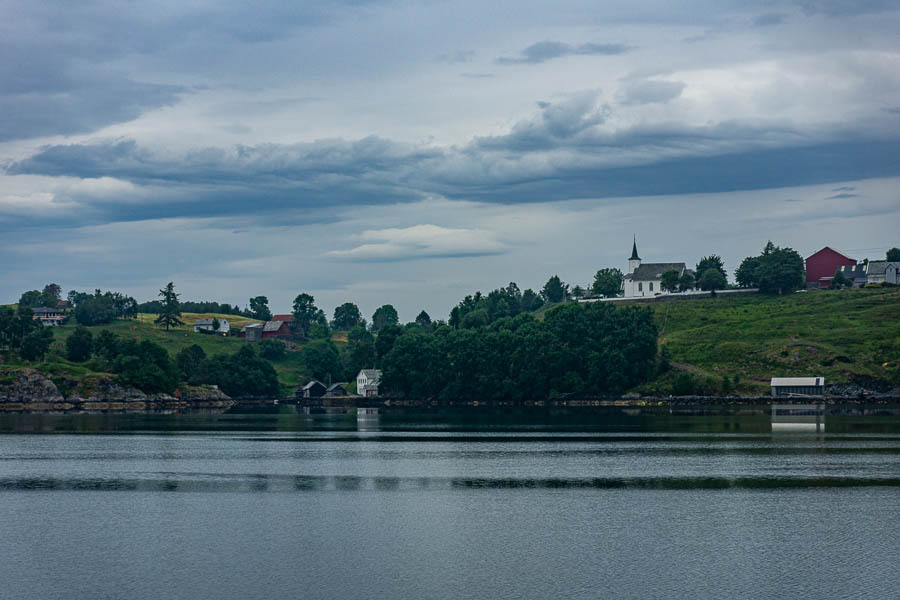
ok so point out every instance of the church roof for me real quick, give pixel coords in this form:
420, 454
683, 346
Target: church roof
634, 254
651, 271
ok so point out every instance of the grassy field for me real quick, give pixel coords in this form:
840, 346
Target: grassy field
843, 335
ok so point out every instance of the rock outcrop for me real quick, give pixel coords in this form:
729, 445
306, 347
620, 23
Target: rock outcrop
29, 390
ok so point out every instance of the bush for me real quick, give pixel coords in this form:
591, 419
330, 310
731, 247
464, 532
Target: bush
79, 345
272, 349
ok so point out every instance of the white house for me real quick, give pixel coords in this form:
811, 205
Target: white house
797, 386
367, 382
206, 326
645, 280
882, 271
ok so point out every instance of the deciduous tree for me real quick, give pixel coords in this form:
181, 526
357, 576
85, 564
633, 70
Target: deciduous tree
670, 281
346, 317
555, 290
259, 308
383, 316
608, 283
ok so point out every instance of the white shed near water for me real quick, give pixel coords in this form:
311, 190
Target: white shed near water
798, 386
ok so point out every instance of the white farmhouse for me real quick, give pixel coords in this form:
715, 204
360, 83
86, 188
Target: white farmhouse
645, 280
207, 326
367, 382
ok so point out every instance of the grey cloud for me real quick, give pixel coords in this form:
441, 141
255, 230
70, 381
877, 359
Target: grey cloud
846, 7
842, 196
769, 19
844, 188
461, 56
547, 50
649, 91
476, 75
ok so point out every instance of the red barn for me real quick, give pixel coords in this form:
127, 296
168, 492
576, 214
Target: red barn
820, 267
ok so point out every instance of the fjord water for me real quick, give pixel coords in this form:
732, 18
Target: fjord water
448, 507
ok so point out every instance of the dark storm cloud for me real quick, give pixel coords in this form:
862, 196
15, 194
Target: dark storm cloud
547, 50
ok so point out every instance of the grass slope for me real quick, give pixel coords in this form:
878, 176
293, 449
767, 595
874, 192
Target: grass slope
844, 335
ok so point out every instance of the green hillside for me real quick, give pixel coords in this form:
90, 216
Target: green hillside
843, 335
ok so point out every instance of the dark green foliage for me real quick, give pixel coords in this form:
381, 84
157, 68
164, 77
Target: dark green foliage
146, 366
360, 351
712, 280
893, 255
531, 301
216, 325
243, 373
713, 261
106, 345
191, 363
15, 327
423, 320
205, 306
384, 315
323, 361
272, 349
608, 283
36, 344
664, 360
346, 317
170, 311
305, 312
839, 281
31, 299
578, 292
588, 349
670, 281
101, 308
479, 310
385, 341
555, 290
687, 281
319, 328
259, 308
79, 345
746, 273
779, 270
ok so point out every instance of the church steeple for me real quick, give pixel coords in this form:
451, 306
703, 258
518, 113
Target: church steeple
635, 261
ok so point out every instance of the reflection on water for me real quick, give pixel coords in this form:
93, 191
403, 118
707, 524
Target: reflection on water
449, 505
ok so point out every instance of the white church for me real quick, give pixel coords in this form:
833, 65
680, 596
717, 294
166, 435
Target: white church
645, 280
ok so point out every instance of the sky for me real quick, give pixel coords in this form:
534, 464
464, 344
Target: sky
411, 153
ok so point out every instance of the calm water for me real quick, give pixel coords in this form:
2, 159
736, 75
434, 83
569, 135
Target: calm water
448, 507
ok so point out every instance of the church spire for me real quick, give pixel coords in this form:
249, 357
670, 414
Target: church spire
634, 254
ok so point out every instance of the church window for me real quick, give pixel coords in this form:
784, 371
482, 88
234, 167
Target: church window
640, 287
651, 286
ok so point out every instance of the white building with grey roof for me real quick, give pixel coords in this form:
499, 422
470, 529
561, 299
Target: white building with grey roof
645, 279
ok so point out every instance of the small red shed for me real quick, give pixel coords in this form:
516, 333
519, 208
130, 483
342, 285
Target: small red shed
820, 267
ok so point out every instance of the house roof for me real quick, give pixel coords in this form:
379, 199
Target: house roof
312, 384
285, 318
251, 326
830, 250
204, 322
878, 267
650, 271
853, 271
45, 310
797, 381
273, 326
335, 386
371, 373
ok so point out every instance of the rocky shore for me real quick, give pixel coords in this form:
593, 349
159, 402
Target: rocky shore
30, 391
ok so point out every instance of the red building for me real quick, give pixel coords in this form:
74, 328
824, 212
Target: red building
821, 266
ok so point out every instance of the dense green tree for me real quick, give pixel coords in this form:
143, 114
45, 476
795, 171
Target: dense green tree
578, 292
777, 270
31, 299
712, 280
79, 345
531, 301
893, 255
191, 363
670, 281
346, 317
51, 295
713, 261
839, 281
146, 366
323, 361
305, 313
216, 324
16, 326
384, 315
36, 344
360, 351
259, 308
385, 340
608, 283
555, 290
106, 345
319, 328
243, 373
746, 272
170, 311
272, 349
687, 281
423, 320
